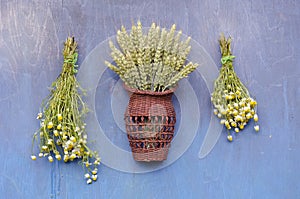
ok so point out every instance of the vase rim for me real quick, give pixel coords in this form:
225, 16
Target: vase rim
149, 92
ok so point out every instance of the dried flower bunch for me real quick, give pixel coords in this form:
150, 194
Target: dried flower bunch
62, 132
231, 99
153, 61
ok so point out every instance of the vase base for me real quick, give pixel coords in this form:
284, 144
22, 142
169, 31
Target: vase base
151, 155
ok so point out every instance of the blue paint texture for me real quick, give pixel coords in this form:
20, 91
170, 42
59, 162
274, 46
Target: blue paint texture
256, 165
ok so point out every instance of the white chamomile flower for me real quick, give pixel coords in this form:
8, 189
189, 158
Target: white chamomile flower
87, 175
59, 117
95, 171
58, 127
89, 181
73, 139
50, 158
73, 156
222, 121
55, 132
255, 117
94, 177
50, 125
58, 156
44, 147
39, 116
229, 138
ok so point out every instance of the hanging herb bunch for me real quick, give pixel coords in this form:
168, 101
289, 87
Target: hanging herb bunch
62, 134
231, 99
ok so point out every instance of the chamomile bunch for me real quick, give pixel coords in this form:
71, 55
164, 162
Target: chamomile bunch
231, 99
62, 133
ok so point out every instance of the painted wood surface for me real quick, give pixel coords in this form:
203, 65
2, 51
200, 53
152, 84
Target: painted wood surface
265, 42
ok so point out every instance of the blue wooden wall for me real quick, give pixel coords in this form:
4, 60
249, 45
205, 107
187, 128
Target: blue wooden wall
256, 165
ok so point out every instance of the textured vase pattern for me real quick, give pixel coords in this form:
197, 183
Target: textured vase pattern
150, 120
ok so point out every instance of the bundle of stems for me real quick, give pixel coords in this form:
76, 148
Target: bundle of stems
154, 61
62, 132
231, 99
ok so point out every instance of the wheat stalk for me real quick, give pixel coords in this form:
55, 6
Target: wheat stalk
151, 61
